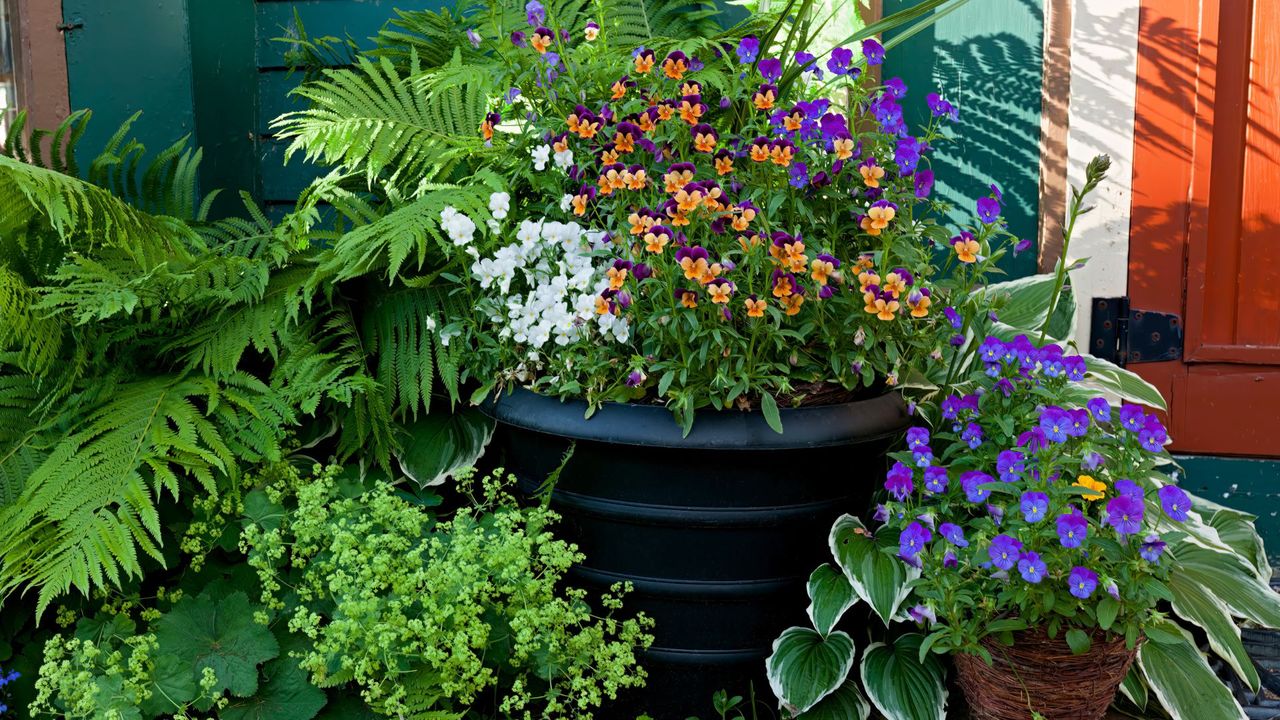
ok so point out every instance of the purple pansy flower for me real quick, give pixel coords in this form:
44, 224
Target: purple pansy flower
1175, 502
988, 209
1034, 505
949, 559
1022, 246
1151, 549
635, 378
1031, 567
896, 87
1072, 530
1083, 582
923, 613
972, 435
953, 534
898, 482
1124, 513
1132, 418
941, 108
935, 479
872, 51
840, 61
923, 183
798, 175
1152, 436
881, 513
913, 539
1004, 551
1129, 488
517, 38
748, 49
1055, 422
917, 437
1100, 409
1010, 464
534, 13
770, 68
972, 481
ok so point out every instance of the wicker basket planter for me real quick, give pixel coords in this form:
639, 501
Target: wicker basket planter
1041, 674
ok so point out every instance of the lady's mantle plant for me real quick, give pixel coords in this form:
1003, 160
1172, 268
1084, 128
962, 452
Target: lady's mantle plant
734, 226
1029, 509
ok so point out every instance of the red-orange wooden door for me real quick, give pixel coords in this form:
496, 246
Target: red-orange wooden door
1205, 232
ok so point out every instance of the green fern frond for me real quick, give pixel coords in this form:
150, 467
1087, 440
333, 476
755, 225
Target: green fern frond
370, 120
89, 506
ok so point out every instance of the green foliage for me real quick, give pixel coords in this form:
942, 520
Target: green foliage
218, 634
424, 616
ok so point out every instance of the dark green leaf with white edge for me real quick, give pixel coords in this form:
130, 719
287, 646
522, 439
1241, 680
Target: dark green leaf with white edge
1182, 680
830, 595
1125, 384
202, 632
286, 695
439, 444
900, 685
1200, 605
1135, 688
806, 667
1237, 530
1026, 301
1231, 579
846, 703
878, 578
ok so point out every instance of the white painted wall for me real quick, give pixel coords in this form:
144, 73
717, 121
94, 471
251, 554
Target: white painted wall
1104, 56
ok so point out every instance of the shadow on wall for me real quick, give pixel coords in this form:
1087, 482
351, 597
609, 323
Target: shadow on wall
986, 59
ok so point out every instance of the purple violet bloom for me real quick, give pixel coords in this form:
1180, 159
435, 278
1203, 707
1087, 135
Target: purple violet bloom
941, 108
898, 482
1072, 530
1129, 488
917, 437
1079, 422
949, 559
953, 534
798, 175
1083, 582
953, 317
1175, 502
808, 63
1022, 246
1151, 549
635, 378
534, 13
1124, 513
1132, 418
1010, 464
1034, 505
748, 49
1031, 567
770, 68
912, 540
923, 183
988, 209
473, 37
896, 87
517, 38
1100, 409
923, 613
881, 514
972, 435
1152, 436
1054, 422
971, 482
840, 61
1092, 461
935, 479
997, 514
1004, 551
872, 51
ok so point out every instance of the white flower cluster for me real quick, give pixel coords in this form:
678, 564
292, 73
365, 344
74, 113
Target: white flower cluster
541, 155
460, 228
547, 284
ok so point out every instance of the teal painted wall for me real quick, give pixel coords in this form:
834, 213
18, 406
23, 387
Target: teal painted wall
1247, 484
986, 59
131, 55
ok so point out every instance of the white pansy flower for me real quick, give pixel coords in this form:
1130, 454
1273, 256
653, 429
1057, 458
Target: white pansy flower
541, 154
566, 202
564, 159
499, 205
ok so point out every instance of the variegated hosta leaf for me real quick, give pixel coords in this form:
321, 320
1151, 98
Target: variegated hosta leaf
805, 667
846, 703
876, 576
902, 687
1182, 680
830, 595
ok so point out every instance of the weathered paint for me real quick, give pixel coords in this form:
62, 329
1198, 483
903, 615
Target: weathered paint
1248, 484
41, 61
1104, 58
131, 55
994, 77
1191, 194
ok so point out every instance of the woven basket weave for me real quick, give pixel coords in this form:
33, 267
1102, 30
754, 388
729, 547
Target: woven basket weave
1041, 674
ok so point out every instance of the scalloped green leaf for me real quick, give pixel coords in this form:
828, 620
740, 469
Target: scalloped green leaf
221, 635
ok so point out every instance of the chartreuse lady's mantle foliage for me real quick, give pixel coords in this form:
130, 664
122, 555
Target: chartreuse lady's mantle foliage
356, 588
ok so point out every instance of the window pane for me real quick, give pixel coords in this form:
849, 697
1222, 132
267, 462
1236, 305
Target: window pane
8, 93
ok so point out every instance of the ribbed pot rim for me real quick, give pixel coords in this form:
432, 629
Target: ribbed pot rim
655, 426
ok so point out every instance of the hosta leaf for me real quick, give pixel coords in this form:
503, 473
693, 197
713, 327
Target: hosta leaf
222, 635
1135, 688
441, 443
846, 703
1183, 682
830, 595
1200, 605
1231, 579
806, 667
902, 687
876, 577
1125, 384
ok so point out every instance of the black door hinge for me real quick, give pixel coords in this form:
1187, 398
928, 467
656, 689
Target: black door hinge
1124, 335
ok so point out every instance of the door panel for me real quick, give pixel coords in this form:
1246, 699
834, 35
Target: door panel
1205, 233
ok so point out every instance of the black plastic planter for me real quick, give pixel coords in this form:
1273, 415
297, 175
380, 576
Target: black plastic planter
717, 531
